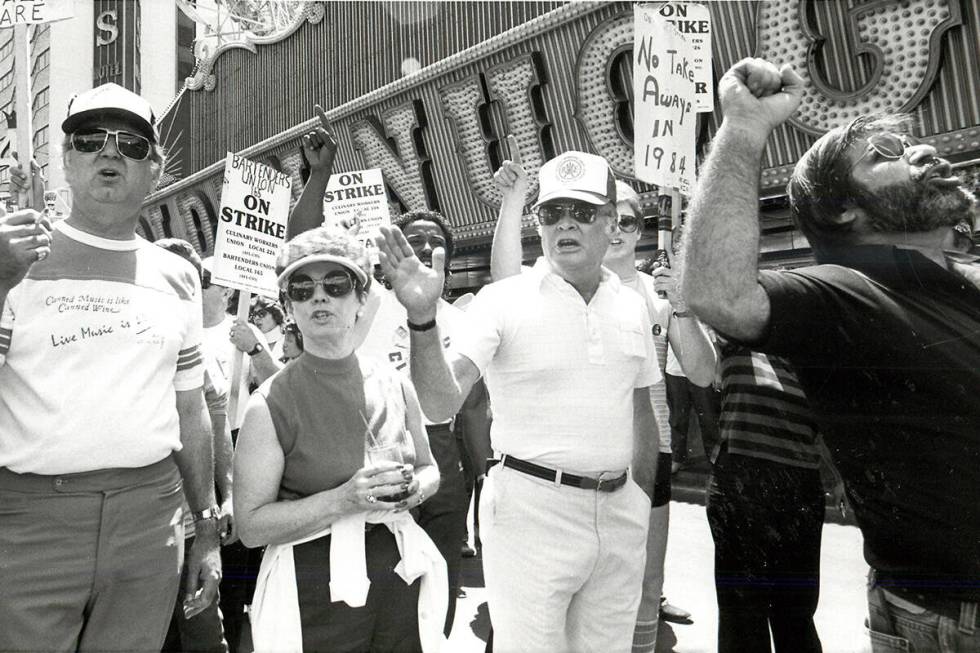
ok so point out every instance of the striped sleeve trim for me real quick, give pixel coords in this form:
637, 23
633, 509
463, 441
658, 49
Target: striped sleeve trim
5, 337
189, 358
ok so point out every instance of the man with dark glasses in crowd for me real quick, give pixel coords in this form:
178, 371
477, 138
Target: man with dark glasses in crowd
103, 414
884, 334
568, 365
671, 322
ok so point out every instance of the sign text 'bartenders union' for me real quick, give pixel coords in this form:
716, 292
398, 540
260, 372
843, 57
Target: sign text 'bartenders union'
252, 228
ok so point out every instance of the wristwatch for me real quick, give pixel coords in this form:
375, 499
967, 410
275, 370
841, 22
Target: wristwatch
258, 348
211, 512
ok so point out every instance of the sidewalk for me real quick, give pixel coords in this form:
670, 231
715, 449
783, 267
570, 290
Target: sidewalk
690, 584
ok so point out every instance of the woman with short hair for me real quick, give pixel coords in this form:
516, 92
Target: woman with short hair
342, 547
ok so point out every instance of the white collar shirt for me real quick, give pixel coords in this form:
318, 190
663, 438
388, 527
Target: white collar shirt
560, 372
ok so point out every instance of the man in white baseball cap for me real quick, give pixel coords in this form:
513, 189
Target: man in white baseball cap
103, 416
568, 361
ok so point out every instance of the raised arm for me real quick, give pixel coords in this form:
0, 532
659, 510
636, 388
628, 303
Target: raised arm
686, 335
721, 245
506, 252
320, 149
442, 385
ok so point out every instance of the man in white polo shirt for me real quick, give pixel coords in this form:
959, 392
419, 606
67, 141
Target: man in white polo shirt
102, 413
568, 365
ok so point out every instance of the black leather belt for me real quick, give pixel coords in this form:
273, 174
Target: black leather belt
555, 476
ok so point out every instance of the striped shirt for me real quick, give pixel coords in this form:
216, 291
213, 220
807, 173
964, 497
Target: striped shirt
764, 412
94, 345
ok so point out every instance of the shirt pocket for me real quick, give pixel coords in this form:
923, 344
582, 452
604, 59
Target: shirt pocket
632, 341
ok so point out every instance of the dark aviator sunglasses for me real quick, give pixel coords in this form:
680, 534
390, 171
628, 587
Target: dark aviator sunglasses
301, 287
130, 145
549, 214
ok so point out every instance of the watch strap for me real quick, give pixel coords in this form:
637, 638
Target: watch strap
211, 512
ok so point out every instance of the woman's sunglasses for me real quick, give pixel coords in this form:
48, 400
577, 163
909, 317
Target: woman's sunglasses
549, 214
301, 287
132, 146
258, 315
629, 223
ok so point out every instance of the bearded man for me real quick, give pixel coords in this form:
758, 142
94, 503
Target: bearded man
884, 334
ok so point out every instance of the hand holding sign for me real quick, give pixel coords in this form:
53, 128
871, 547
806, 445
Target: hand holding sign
757, 94
32, 187
319, 145
511, 178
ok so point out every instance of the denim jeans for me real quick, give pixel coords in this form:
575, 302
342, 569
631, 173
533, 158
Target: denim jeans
895, 624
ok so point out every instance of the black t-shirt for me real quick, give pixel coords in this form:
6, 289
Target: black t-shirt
887, 347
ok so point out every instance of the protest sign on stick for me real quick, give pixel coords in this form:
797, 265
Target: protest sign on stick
694, 22
356, 201
251, 231
18, 14
29, 12
664, 119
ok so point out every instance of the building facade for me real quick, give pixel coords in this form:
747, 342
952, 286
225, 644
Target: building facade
557, 76
143, 45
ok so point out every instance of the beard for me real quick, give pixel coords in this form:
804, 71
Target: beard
916, 206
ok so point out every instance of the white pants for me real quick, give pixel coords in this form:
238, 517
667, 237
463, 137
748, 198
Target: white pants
563, 566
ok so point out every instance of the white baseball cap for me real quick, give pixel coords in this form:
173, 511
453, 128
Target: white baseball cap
576, 176
111, 100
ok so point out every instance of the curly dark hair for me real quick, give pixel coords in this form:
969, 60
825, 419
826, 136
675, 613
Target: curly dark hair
264, 303
406, 219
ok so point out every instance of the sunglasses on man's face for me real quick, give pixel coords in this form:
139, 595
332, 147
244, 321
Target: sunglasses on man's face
302, 287
549, 214
130, 145
205, 280
885, 145
629, 223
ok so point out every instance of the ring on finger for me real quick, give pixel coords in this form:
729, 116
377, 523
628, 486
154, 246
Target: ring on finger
370, 498
40, 254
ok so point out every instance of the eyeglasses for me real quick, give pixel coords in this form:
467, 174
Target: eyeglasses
205, 280
549, 214
629, 223
301, 287
130, 145
258, 315
886, 145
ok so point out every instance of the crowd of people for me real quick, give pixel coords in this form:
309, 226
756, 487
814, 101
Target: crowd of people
327, 510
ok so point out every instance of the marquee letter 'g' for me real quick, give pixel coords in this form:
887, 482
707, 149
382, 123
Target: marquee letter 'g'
902, 37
